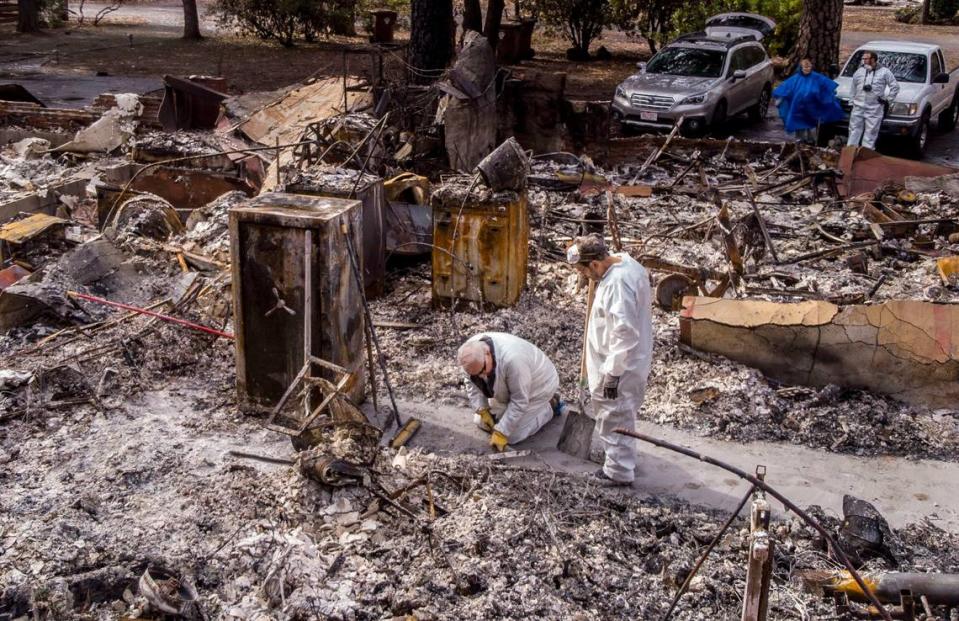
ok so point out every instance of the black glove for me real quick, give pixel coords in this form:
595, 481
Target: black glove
610, 387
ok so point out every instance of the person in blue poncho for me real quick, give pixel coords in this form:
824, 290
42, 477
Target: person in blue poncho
806, 100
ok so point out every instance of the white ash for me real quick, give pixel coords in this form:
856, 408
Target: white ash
153, 485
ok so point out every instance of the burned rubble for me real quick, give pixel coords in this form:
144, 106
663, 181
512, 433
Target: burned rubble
200, 296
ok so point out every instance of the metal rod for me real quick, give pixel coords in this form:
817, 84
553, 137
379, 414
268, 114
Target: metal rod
769, 490
143, 311
354, 262
307, 310
372, 366
709, 548
277, 143
271, 460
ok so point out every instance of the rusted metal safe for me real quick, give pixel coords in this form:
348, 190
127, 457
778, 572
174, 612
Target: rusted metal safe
294, 291
366, 188
481, 245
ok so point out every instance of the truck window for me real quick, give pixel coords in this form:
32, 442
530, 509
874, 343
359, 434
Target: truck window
688, 61
906, 66
936, 66
942, 61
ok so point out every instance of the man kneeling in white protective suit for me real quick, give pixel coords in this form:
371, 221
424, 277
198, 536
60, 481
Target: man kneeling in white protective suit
619, 348
513, 386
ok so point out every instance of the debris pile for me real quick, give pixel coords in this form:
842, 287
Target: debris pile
433, 537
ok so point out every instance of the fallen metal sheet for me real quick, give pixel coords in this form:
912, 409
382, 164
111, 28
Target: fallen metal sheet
864, 170
287, 118
188, 105
186, 189
20, 231
904, 348
12, 275
408, 218
409, 228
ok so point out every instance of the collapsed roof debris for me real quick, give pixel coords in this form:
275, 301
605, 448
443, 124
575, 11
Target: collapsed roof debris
292, 250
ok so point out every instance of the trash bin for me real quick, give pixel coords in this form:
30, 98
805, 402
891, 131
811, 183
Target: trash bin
508, 47
526, 39
384, 20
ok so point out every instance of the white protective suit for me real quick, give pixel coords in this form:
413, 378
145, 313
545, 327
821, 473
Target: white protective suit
619, 342
867, 111
525, 382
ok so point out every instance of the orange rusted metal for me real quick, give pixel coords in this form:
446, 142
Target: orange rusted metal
481, 245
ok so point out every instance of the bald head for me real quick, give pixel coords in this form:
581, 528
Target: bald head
472, 356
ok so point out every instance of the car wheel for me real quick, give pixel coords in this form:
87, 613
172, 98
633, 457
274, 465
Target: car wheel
949, 116
918, 142
719, 115
760, 111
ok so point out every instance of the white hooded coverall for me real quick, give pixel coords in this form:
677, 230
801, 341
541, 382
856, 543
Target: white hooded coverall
867, 111
525, 382
619, 342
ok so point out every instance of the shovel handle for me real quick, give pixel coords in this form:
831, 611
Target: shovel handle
590, 295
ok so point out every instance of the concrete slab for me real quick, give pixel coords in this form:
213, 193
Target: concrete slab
904, 490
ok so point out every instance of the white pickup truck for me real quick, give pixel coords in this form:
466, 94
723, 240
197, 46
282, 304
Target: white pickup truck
927, 91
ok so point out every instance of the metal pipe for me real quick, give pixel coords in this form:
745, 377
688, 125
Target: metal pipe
937, 589
143, 311
837, 551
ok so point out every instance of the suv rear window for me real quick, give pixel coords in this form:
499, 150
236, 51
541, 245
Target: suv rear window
907, 67
687, 61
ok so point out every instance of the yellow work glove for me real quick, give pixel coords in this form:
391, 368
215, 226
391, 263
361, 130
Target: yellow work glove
498, 441
486, 419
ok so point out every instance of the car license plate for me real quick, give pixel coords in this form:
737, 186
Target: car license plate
648, 116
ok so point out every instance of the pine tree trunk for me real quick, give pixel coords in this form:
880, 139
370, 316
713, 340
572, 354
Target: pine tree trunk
820, 28
924, 17
472, 16
494, 17
191, 21
431, 38
28, 16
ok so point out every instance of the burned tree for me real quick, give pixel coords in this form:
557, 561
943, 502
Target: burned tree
473, 18
28, 19
191, 21
494, 17
472, 15
819, 30
431, 38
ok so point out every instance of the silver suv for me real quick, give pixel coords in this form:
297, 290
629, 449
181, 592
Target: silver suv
703, 78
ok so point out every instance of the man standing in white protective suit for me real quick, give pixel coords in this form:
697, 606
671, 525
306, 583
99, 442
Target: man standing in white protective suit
619, 349
513, 386
872, 88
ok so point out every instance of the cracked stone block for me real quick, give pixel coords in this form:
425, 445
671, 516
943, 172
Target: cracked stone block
907, 349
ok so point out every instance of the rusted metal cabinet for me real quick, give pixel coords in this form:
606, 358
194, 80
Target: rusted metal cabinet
340, 183
277, 241
481, 245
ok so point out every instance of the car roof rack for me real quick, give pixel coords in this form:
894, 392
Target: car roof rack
724, 42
